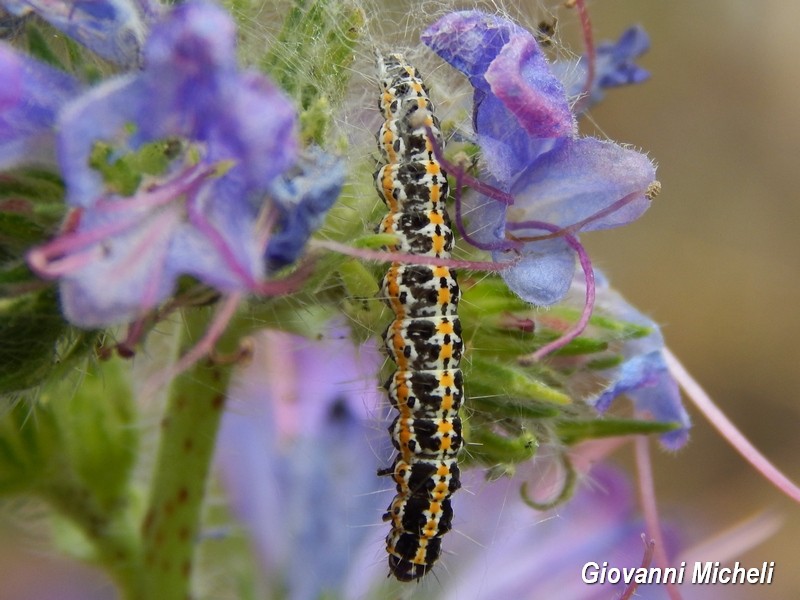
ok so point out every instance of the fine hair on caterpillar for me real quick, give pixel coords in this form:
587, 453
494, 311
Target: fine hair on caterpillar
424, 339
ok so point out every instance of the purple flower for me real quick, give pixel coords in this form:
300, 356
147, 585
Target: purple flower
298, 451
531, 150
201, 218
615, 66
643, 376
30, 97
114, 29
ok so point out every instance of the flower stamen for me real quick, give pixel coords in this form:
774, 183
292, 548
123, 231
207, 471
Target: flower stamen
647, 495
591, 53
728, 430
589, 299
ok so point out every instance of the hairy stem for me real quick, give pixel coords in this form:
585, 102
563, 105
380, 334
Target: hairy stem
188, 432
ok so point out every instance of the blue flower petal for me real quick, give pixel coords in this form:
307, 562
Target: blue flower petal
470, 41
646, 380
615, 66
518, 103
191, 88
544, 273
643, 376
226, 251
303, 197
31, 95
114, 29
521, 79
530, 147
485, 219
580, 178
127, 272
100, 114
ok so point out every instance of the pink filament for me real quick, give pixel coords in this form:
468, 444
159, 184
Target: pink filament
591, 52
728, 430
588, 306
647, 495
647, 559
416, 259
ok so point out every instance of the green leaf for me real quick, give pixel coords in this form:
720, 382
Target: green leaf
376, 241
75, 447
490, 296
578, 346
97, 421
362, 304
30, 329
32, 184
491, 448
18, 232
490, 379
40, 48
511, 408
606, 362
574, 431
31, 207
29, 439
13, 275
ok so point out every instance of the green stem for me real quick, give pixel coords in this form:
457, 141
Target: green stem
188, 433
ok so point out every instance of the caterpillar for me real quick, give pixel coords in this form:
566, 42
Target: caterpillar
424, 339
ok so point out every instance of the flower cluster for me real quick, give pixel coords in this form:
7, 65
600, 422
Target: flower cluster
552, 181
224, 140
555, 179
